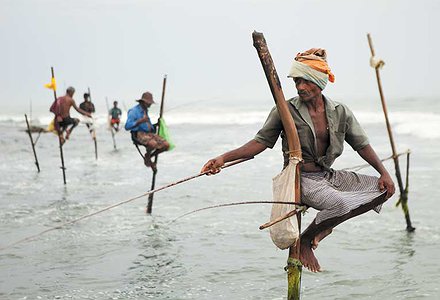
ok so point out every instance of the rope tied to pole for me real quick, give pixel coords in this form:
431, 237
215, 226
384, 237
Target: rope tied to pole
376, 63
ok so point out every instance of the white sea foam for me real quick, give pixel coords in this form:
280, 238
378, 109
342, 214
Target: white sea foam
421, 124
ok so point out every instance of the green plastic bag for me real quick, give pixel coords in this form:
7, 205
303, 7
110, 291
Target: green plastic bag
164, 133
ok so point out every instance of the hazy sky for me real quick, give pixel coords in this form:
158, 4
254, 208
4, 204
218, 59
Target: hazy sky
121, 48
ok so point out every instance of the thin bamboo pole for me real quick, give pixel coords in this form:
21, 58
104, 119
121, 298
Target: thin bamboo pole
111, 127
403, 192
294, 266
32, 143
153, 180
94, 129
59, 131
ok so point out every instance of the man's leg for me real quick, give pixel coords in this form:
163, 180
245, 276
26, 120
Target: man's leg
324, 228
74, 123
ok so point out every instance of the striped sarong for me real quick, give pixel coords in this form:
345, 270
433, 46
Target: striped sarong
336, 193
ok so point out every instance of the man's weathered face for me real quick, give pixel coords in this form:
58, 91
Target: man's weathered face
144, 105
70, 93
307, 90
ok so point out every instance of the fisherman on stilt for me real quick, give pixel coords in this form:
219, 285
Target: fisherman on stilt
89, 107
61, 108
143, 131
115, 116
323, 125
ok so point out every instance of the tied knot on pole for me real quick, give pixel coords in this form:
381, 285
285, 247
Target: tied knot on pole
293, 263
295, 155
376, 63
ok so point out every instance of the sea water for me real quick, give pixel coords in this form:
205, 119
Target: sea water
214, 254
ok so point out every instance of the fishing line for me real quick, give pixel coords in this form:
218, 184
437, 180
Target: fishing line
123, 202
232, 204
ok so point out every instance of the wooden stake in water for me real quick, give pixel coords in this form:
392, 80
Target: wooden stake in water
403, 200
294, 266
59, 131
153, 181
111, 127
94, 130
32, 143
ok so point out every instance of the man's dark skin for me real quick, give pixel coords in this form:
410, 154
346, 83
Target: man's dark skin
311, 95
65, 111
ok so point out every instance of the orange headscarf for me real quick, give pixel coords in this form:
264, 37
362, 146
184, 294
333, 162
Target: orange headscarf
316, 59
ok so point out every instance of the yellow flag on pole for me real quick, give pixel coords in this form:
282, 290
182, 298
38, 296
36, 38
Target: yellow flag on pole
52, 85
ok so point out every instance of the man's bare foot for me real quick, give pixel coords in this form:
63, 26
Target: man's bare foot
147, 160
62, 140
153, 167
67, 134
307, 257
319, 237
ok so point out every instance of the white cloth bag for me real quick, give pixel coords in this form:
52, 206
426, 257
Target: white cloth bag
285, 233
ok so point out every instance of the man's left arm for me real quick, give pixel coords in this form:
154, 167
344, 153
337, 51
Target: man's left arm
385, 181
83, 112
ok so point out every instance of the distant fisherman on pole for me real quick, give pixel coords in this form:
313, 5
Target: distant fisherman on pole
89, 107
61, 108
323, 125
143, 132
115, 116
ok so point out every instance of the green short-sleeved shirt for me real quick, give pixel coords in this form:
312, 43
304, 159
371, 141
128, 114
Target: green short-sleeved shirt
342, 124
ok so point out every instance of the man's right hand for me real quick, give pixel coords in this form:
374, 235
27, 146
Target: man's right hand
213, 165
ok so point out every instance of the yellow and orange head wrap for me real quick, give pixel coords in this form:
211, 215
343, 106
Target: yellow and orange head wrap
312, 65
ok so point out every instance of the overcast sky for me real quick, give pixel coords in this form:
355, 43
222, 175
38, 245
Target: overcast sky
121, 48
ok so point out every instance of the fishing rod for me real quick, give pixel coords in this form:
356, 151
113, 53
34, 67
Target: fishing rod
227, 165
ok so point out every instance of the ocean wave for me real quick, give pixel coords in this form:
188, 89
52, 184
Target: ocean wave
420, 124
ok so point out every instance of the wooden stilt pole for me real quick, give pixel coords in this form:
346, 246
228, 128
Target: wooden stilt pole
294, 266
111, 127
59, 131
403, 191
32, 143
93, 133
153, 181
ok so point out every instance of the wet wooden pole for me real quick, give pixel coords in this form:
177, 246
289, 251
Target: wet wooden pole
153, 181
32, 143
59, 131
94, 129
111, 126
294, 266
403, 200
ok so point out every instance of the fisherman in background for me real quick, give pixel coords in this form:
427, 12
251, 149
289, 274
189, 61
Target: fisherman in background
323, 125
143, 132
61, 108
89, 107
115, 116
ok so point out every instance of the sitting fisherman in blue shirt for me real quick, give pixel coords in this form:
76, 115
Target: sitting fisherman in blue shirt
143, 132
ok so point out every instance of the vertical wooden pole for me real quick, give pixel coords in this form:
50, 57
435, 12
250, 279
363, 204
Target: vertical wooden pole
111, 127
153, 181
94, 129
403, 192
59, 131
32, 143
294, 266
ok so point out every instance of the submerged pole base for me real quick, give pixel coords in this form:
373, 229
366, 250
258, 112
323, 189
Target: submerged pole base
294, 271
